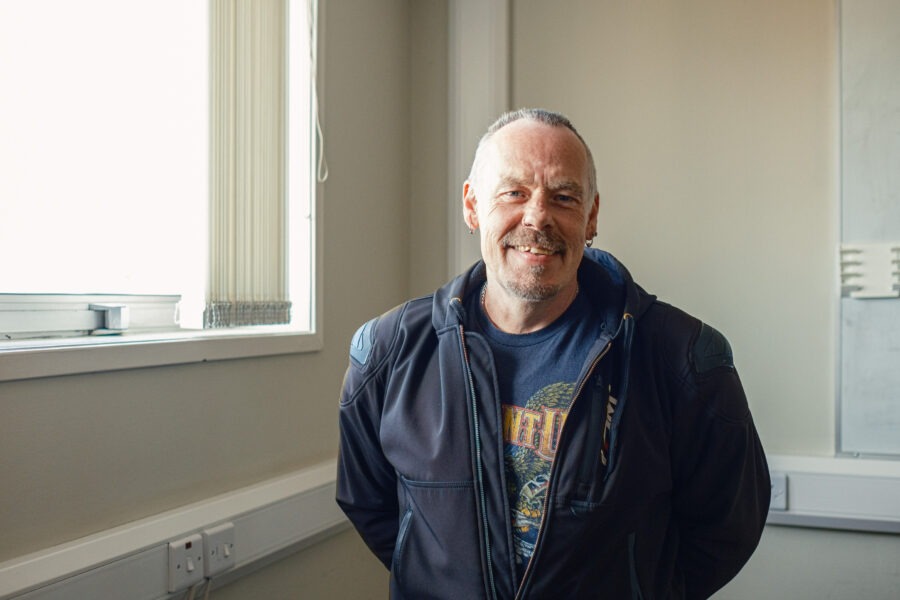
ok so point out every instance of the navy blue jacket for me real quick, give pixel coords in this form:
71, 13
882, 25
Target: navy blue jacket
659, 487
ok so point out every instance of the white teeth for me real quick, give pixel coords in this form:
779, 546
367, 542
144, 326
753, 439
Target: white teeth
543, 251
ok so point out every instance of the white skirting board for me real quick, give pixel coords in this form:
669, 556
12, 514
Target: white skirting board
839, 493
131, 562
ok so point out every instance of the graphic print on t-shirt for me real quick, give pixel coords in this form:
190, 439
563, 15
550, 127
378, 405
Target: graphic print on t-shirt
537, 374
531, 434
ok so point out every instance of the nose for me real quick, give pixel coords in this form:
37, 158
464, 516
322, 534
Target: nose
536, 212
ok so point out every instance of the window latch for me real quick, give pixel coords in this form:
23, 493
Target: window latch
115, 318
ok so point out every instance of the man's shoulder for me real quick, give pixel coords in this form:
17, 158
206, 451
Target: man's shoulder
686, 339
662, 318
377, 338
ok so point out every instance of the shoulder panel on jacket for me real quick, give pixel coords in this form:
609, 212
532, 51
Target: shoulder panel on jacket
361, 343
374, 340
711, 350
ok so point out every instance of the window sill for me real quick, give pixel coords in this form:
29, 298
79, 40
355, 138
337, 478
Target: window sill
35, 358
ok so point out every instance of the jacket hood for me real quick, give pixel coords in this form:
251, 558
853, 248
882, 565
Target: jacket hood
606, 281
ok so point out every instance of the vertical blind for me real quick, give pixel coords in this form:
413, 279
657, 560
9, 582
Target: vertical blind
248, 274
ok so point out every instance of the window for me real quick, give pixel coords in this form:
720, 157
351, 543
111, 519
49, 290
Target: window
157, 154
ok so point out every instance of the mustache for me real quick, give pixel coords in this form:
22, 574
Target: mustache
540, 239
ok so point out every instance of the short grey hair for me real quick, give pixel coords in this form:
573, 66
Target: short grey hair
540, 115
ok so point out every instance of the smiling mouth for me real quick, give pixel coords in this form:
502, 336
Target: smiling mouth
535, 243
535, 250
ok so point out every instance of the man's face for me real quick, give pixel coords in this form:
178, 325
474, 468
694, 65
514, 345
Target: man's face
530, 201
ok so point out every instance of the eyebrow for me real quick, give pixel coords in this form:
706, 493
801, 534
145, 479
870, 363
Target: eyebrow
567, 184
554, 185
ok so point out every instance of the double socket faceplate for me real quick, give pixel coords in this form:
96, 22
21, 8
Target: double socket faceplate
200, 555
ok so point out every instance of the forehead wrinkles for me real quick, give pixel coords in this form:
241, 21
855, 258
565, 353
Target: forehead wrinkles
537, 161
524, 150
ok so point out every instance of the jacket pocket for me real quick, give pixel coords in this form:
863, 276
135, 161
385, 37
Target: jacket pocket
632, 570
397, 558
436, 552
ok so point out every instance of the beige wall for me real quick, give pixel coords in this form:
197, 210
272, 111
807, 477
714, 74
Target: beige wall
812, 564
428, 232
338, 568
713, 126
79, 454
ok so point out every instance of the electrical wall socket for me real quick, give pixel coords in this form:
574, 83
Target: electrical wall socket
218, 542
185, 562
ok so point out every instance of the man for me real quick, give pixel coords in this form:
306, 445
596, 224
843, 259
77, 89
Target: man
541, 427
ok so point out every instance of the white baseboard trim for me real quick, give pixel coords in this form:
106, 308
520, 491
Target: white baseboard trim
131, 562
839, 493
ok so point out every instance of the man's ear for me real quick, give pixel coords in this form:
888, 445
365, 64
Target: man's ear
592, 217
470, 203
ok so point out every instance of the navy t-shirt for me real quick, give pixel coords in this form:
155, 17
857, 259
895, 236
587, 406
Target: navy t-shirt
537, 374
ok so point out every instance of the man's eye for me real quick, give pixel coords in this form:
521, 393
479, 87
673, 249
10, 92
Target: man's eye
514, 194
565, 198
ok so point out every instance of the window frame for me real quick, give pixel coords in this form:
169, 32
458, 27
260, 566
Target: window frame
67, 356
23, 359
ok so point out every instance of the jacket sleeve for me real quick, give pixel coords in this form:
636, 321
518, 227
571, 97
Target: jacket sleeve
721, 479
366, 481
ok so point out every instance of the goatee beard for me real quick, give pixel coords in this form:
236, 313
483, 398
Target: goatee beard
530, 287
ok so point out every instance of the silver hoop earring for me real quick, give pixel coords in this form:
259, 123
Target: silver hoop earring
589, 243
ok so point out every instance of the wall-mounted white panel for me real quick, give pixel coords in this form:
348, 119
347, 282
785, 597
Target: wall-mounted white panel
870, 212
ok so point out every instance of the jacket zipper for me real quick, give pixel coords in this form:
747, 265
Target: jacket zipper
540, 536
627, 328
478, 467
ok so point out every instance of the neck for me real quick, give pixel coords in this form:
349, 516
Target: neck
512, 314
